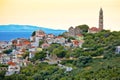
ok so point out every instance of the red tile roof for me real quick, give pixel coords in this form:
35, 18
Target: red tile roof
11, 63
41, 35
18, 44
32, 46
76, 42
59, 37
94, 29
22, 42
45, 44
79, 35
26, 42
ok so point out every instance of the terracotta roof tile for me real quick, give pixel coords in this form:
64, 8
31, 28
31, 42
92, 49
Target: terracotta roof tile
94, 29
11, 63
79, 35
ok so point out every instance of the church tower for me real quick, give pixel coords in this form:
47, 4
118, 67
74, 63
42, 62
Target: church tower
101, 19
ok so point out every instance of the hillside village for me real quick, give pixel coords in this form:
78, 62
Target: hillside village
15, 49
19, 52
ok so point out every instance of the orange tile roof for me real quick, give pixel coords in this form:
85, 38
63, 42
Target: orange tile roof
59, 37
45, 44
18, 44
94, 29
32, 46
76, 42
11, 63
26, 42
79, 35
22, 42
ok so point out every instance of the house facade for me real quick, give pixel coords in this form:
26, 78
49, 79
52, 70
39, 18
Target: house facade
12, 68
118, 49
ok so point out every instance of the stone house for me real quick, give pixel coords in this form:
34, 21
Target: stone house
4, 58
74, 31
77, 43
60, 40
21, 43
4, 44
50, 40
45, 45
71, 31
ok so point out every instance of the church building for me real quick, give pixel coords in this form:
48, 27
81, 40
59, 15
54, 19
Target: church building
94, 29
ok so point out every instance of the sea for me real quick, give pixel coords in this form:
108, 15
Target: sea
8, 36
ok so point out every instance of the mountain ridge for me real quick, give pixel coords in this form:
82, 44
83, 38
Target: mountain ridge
24, 28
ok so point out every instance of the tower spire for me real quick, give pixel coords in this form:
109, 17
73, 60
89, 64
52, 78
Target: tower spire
101, 19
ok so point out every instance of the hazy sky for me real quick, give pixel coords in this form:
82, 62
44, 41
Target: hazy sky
60, 14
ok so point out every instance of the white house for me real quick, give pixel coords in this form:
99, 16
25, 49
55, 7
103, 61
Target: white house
45, 45
51, 36
68, 44
69, 69
31, 55
50, 40
118, 49
32, 38
60, 40
32, 49
12, 69
34, 44
3, 44
37, 39
4, 58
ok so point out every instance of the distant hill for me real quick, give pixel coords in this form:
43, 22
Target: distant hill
27, 28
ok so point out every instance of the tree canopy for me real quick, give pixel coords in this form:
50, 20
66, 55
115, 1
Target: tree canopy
33, 34
83, 27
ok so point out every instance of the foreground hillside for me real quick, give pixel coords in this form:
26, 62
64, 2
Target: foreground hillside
98, 69
96, 60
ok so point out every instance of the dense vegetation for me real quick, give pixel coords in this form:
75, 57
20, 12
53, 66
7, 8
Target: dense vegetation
33, 34
83, 27
7, 51
97, 60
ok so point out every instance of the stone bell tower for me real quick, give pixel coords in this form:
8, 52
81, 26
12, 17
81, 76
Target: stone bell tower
101, 19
